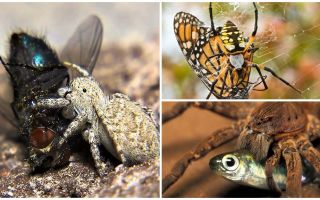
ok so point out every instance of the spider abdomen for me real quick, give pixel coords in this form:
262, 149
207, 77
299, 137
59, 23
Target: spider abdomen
232, 38
217, 69
271, 122
267, 119
131, 129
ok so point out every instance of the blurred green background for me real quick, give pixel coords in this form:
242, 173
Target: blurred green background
288, 39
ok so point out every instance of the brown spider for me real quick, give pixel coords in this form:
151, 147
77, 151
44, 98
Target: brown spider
271, 131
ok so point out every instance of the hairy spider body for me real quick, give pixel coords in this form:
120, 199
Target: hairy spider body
266, 126
289, 136
271, 132
123, 127
220, 57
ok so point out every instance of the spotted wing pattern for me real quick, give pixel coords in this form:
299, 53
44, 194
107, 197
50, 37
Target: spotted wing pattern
188, 30
206, 58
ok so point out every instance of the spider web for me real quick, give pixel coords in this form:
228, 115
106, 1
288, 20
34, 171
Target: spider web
287, 39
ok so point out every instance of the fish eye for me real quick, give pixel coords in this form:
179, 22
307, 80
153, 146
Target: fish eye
230, 162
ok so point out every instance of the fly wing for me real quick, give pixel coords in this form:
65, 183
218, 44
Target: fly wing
83, 47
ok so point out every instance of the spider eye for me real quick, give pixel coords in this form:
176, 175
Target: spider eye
230, 162
84, 90
41, 137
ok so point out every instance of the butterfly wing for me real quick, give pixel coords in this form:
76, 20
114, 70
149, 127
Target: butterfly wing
83, 47
191, 36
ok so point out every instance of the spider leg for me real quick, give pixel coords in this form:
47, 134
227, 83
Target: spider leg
51, 103
262, 67
211, 19
313, 127
212, 88
255, 20
294, 167
177, 110
270, 165
262, 79
224, 82
309, 152
77, 123
223, 72
216, 139
251, 39
103, 168
230, 110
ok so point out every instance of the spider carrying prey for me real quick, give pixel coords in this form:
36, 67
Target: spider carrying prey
126, 129
222, 58
273, 131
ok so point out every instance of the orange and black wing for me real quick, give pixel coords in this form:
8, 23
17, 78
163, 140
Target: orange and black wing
200, 48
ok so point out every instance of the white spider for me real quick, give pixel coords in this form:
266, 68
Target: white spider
125, 129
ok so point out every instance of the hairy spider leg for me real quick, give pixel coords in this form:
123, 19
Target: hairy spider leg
217, 138
307, 149
103, 167
177, 110
309, 152
293, 162
289, 151
225, 109
271, 163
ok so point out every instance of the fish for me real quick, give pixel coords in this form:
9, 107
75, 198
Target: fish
241, 167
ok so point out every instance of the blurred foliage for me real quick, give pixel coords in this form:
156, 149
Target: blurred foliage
288, 41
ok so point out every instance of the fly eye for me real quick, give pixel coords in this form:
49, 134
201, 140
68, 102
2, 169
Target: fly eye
230, 162
84, 90
41, 137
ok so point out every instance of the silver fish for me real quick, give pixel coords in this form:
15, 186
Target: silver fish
240, 167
